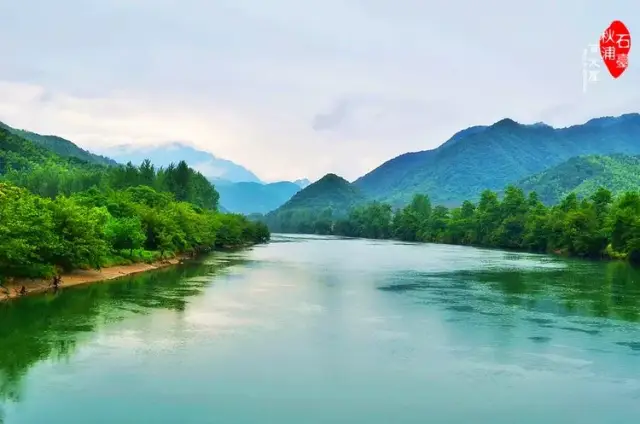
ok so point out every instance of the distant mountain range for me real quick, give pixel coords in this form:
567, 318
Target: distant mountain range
249, 197
60, 146
489, 157
241, 191
209, 165
553, 162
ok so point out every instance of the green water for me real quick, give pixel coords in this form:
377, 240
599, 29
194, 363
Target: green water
317, 330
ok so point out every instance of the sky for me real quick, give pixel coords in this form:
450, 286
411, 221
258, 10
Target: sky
300, 88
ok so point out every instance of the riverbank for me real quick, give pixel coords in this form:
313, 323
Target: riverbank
79, 277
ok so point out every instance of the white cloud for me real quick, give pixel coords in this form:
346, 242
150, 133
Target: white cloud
290, 88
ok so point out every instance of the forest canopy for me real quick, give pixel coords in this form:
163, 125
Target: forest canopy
59, 214
597, 226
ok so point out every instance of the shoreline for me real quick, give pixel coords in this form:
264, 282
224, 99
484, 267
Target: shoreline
80, 277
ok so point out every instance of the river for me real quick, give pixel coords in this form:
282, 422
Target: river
328, 330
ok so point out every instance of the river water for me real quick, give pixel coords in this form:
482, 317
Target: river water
327, 330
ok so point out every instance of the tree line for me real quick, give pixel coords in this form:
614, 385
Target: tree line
598, 226
59, 214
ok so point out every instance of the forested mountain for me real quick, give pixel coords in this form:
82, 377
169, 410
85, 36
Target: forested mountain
61, 213
60, 146
329, 197
249, 197
491, 157
583, 175
47, 174
209, 165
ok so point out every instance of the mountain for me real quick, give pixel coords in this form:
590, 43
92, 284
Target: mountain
583, 175
302, 183
16, 153
60, 146
329, 191
329, 197
209, 165
251, 197
490, 157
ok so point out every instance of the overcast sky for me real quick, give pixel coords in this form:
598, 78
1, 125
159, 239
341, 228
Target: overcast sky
299, 88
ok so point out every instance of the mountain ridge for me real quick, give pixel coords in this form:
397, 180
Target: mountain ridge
60, 146
489, 157
252, 197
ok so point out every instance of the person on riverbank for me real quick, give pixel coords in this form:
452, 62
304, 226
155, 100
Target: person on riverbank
56, 282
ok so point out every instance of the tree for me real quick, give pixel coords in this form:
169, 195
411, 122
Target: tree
125, 233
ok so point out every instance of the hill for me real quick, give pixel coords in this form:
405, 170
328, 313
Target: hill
329, 197
60, 146
583, 175
27, 164
490, 157
59, 214
18, 153
209, 165
330, 191
251, 197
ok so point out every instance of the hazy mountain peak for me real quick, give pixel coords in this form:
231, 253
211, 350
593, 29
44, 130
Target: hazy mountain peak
506, 122
613, 120
302, 182
540, 125
208, 164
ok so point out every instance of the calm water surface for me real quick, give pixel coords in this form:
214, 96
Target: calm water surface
320, 330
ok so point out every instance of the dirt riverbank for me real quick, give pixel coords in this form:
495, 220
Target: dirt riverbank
75, 278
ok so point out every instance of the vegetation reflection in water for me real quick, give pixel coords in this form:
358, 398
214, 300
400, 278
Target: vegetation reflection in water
594, 289
50, 326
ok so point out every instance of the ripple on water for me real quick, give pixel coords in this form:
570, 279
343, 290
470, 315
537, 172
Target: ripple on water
581, 330
545, 321
402, 287
540, 339
635, 346
461, 308
491, 314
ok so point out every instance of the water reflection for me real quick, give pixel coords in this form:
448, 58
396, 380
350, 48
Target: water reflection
49, 326
342, 326
604, 290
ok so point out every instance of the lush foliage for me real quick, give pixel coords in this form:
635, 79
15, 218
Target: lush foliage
251, 197
316, 206
491, 157
60, 146
595, 227
59, 214
583, 175
41, 236
42, 172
